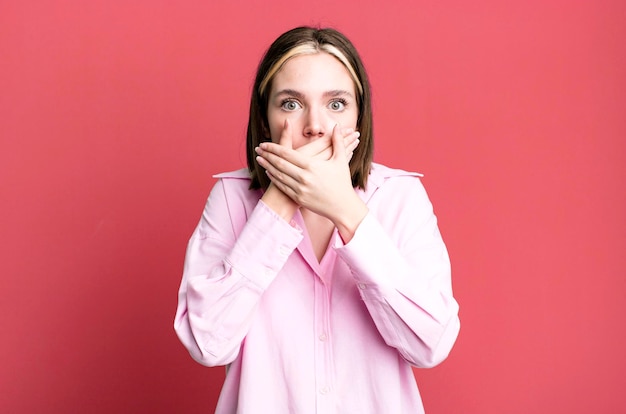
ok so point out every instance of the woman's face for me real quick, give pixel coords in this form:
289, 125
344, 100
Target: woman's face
314, 92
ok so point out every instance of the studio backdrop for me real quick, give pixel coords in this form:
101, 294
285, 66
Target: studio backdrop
115, 115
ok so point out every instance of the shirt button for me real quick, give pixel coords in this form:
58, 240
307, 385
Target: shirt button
362, 286
324, 390
323, 337
284, 251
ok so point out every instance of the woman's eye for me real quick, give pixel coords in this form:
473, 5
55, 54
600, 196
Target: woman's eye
290, 105
337, 105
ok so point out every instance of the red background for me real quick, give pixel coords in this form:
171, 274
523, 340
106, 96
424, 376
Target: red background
115, 114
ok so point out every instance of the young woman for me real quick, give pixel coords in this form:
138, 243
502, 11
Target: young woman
315, 275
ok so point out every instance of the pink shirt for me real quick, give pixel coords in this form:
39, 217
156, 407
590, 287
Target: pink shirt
299, 336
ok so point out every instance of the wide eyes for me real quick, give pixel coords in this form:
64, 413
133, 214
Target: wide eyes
338, 105
291, 105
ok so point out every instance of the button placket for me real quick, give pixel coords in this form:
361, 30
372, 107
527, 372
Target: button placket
283, 251
324, 366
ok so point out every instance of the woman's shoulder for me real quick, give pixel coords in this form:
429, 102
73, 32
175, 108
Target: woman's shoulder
380, 174
235, 184
385, 171
240, 174
232, 192
392, 183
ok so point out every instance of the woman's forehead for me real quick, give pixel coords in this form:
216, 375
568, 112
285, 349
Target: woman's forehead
319, 72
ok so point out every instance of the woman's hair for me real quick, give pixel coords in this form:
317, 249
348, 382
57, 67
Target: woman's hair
303, 41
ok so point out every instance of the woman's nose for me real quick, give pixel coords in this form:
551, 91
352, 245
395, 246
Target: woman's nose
315, 124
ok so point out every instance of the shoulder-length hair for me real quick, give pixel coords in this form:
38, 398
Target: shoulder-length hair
296, 42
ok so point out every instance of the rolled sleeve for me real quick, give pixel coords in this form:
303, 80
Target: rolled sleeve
264, 246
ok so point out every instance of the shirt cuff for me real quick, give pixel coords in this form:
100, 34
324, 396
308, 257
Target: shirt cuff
371, 256
264, 245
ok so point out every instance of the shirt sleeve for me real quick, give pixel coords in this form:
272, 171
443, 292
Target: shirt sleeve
401, 267
226, 273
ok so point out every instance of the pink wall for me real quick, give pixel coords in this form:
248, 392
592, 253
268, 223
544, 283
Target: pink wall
115, 114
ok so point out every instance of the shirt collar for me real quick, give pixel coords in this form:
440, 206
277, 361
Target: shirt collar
241, 173
378, 175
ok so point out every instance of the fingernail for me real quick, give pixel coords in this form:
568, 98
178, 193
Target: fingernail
358, 134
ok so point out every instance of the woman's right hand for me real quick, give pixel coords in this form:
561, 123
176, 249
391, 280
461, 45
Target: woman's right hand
321, 148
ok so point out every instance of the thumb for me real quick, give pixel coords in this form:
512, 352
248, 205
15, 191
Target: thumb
339, 148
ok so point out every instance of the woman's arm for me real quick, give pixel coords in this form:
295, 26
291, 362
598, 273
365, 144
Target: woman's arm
231, 259
400, 265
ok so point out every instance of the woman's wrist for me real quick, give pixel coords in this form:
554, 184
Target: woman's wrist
349, 220
280, 203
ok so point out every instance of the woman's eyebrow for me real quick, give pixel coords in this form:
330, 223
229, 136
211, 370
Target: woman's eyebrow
297, 94
337, 92
290, 92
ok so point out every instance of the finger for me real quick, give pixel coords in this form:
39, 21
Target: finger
285, 139
288, 191
282, 181
275, 153
350, 150
353, 141
317, 148
339, 149
322, 148
280, 167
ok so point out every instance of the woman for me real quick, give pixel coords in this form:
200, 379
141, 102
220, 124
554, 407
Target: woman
316, 276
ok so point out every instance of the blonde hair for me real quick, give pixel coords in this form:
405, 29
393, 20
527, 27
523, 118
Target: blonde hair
309, 48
